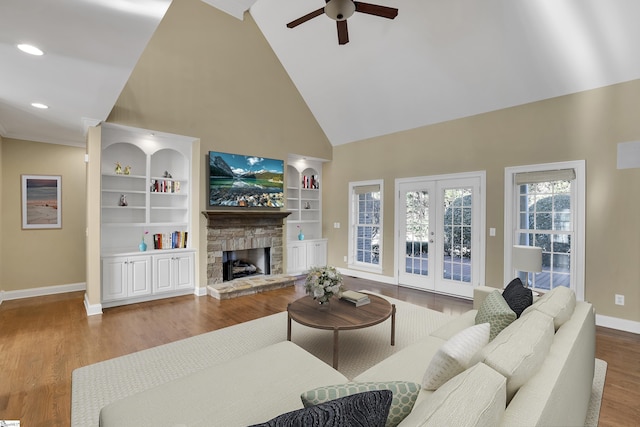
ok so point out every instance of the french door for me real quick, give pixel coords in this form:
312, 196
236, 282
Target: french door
439, 234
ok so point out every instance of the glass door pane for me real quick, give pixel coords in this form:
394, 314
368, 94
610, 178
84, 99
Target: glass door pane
416, 236
456, 263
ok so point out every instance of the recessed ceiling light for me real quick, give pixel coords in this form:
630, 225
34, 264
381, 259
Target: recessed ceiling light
30, 49
39, 105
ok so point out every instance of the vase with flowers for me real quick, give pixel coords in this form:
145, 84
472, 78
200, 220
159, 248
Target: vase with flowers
143, 245
323, 283
300, 233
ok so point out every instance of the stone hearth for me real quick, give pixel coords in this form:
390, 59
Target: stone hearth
242, 230
250, 285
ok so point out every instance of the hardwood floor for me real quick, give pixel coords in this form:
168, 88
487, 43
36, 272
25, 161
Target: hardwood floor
43, 339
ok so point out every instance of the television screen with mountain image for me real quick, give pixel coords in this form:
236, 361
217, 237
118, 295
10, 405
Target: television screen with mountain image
245, 181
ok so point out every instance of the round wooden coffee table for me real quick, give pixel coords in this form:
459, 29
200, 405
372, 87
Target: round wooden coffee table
341, 316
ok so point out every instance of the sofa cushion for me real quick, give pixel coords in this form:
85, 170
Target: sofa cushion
362, 409
455, 325
519, 350
407, 364
455, 355
558, 303
404, 396
246, 390
517, 296
495, 311
476, 397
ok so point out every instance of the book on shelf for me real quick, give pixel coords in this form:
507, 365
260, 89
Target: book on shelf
164, 186
356, 298
175, 240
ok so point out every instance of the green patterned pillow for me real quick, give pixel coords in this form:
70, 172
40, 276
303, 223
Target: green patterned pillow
404, 396
495, 311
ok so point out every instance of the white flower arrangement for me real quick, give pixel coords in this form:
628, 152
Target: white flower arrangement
323, 283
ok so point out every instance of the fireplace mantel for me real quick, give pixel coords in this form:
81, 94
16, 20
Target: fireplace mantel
244, 218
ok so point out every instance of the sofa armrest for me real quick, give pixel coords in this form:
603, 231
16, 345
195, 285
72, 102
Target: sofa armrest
480, 293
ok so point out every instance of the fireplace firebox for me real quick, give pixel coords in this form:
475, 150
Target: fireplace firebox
244, 263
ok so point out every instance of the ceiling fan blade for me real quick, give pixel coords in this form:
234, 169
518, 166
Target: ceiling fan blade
305, 18
377, 10
343, 33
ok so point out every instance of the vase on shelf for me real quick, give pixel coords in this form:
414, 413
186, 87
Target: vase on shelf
142, 246
300, 236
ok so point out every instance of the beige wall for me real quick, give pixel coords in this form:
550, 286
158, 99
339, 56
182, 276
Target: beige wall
39, 258
582, 126
208, 75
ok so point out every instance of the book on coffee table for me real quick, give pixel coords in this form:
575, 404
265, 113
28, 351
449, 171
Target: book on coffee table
356, 298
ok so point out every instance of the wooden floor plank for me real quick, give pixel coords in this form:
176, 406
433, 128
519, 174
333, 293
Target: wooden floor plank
43, 339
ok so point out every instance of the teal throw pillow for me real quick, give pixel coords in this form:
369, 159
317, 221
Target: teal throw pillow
404, 396
496, 311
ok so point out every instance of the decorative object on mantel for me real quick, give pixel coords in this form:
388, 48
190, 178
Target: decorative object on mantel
322, 283
300, 233
118, 168
127, 170
143, 245
123, 200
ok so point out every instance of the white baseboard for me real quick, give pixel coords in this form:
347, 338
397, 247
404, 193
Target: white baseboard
369, 276
201, 291
91, 309
619, 324
45, 290
1, 296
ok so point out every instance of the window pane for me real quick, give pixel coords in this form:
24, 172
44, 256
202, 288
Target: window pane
367, 232
548, 212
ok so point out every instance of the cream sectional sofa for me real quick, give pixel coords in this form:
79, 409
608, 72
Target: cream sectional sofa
537, 372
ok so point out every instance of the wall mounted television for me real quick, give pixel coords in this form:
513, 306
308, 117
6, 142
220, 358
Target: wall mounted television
245, 181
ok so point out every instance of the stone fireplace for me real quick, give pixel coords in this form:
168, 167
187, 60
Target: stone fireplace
243, 230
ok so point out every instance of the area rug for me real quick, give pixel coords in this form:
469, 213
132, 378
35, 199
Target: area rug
599, 375
96, 385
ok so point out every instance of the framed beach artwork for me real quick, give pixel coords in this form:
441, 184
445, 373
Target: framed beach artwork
41, 201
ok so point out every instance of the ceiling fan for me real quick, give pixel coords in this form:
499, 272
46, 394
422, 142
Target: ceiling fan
340, 10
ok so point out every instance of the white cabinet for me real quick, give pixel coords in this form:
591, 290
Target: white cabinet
172, 272
316, 253
126, 277
304, 254
296, 257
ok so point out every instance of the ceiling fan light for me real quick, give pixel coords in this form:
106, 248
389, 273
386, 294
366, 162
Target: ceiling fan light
340, 10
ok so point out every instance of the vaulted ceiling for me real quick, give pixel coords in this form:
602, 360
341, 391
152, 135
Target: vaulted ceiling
438, 60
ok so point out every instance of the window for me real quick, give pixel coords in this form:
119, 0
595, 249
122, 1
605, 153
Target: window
544, 207
365, 228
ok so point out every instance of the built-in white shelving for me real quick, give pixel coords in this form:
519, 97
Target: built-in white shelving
148, 195
304, 202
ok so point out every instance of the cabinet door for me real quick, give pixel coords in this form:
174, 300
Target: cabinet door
296, 258
114, 278
162, 273
139, 276
316, 254
183, 271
